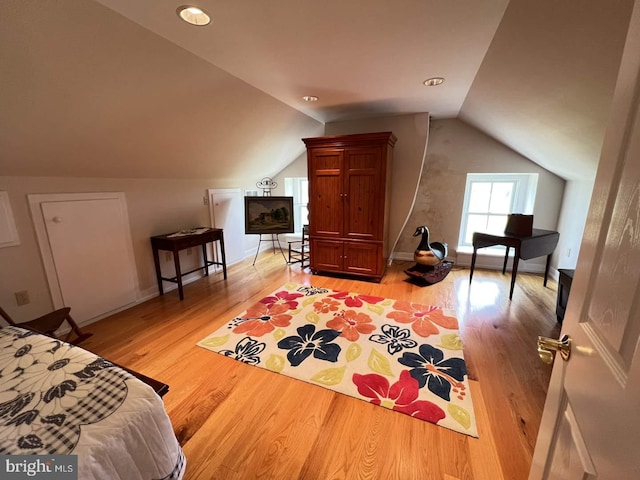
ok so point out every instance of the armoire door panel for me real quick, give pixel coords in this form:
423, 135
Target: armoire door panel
327, 160
362, 258
326, 207
362, 208
364, 188
326, 255
363, 158
325, 193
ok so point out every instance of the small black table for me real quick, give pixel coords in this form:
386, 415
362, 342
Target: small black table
538, 244
174, 242
564, 287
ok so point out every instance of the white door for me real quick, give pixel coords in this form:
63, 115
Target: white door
90, 247
591, 423
226, 207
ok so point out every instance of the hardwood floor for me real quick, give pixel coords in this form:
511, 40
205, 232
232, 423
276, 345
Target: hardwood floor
240, 422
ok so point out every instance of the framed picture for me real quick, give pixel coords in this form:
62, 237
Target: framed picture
265, 215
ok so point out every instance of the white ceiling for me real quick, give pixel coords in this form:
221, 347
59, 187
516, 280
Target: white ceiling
543, 87
361, 57
124, 88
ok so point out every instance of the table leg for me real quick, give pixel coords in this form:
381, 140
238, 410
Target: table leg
156, 262
506, 258
473, 263
514, 272
176, 262
546, 270
204, 258
224, 258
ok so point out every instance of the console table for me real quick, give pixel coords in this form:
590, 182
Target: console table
538, 244
174, 242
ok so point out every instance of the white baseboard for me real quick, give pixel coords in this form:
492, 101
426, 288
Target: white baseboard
143, 296
489, 262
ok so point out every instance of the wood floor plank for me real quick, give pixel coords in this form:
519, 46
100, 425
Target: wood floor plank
240, 422
483, 452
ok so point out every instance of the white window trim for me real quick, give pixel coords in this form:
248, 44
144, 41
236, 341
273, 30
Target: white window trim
523, 199
293, 188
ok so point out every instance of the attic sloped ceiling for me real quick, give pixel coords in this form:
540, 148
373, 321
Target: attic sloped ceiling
546, 83
362, 58
88, 93
120, 88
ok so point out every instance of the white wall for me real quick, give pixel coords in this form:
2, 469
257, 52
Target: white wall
155, 206
455, 149
573, 217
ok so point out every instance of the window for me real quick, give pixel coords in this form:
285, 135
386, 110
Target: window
490, 197
298, 188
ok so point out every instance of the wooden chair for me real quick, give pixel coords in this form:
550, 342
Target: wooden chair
49, 323
299, 249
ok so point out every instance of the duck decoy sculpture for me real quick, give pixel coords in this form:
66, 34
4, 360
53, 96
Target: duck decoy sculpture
429, 253
430, 257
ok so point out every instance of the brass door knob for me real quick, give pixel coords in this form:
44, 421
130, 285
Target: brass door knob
546, 347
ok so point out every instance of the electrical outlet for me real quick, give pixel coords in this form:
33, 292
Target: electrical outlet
205, 200
22, 298
168, 257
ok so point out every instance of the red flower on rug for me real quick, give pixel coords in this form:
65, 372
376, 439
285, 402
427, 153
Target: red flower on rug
351, 324
326, 305
423, 318
401, 396
355, 300
262, 319
283, 298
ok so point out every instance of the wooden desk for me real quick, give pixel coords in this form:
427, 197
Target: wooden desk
540, 243
174, 243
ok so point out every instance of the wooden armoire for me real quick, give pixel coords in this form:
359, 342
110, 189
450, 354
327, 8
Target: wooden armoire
349, 192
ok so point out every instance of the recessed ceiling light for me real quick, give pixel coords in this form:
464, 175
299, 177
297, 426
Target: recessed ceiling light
193, 15
433, 81
310, 98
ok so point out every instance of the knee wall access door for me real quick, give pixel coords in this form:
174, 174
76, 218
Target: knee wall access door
86, 246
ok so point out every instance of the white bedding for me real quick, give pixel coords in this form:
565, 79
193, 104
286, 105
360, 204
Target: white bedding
56, 398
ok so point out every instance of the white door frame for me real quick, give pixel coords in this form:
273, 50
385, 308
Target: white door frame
35, 201
211, 192
594, 432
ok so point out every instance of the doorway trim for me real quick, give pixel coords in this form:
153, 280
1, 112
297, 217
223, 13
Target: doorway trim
35, 201
228, 239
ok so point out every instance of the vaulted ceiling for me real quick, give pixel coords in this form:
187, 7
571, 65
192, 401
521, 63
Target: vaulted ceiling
125, 88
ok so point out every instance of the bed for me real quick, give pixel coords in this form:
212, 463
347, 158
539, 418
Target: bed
57, 398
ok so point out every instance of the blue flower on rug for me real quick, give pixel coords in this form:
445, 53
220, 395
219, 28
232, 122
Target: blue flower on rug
394, 337
309, 342
247, 351
439, 375
308, 291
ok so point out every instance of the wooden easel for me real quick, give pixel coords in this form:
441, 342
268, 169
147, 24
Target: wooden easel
274, 240
266, 184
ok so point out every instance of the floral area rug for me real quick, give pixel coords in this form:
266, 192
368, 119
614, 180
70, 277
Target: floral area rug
396, 354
